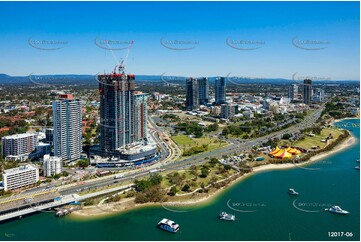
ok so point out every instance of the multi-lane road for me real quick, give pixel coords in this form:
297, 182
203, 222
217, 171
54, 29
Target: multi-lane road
169, 160
235, 147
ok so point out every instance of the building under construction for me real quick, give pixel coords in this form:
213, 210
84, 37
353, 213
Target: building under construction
123, 119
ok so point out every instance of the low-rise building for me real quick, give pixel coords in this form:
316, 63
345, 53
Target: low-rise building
228, 110
40, 150
19, 146
20, 177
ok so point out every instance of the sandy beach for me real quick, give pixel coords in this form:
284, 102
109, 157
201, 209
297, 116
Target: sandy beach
201, 199
125, 205
339, 120
346, 143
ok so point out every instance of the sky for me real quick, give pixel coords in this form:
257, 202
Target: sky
246, 39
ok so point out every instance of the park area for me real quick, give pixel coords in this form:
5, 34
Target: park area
308, 142
185, 142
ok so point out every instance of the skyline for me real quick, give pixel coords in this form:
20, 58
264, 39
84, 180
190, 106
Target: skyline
208, 50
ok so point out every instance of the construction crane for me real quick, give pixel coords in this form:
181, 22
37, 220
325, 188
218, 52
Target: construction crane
122, 63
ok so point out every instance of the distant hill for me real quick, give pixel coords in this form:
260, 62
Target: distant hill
74, 79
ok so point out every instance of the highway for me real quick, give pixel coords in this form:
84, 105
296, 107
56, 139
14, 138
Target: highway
172, 155
199, 158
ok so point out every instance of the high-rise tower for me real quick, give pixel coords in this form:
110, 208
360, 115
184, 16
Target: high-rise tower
67, 128
192, 94
293, 92
203, 90
307, 91
123, 113
220, 90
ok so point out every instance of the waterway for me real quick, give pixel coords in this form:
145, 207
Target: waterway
263, 209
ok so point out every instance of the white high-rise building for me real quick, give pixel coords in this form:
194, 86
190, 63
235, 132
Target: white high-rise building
52, 165
67, 128
19, 146
20, 177
293, 92
318, 95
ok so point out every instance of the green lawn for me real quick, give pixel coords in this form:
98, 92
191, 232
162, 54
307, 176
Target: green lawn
211, 142
308, 142
183, 140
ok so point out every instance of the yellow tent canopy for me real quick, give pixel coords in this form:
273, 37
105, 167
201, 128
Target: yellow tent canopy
294, 151
282, 154
274, 151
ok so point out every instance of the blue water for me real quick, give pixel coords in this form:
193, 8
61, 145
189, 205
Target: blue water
276, 215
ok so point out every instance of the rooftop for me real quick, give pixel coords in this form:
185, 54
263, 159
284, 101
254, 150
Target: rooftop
138, 148
16, 136
20, 169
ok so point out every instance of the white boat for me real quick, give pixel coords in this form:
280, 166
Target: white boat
337, 209
227, 216
357, 167
292, 191
168, 225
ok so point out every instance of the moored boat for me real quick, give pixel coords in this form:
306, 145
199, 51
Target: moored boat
168, 225
227, 216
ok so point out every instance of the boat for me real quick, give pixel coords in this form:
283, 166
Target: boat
357, 167
337, 209
62, 212
358, 161
227, 216
292, 191
168, 225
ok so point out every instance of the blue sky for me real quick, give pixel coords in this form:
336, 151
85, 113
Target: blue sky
204, 26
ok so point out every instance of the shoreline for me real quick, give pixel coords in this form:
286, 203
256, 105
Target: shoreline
342, 119
128, 204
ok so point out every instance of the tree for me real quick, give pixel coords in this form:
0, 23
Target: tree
155, 179
141, 185
57, 176
198, 134
186, 187
286, 136
83, 163
212, 127
152, 194
204, 172
173, 191
213, 162
175, 178
194, 170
